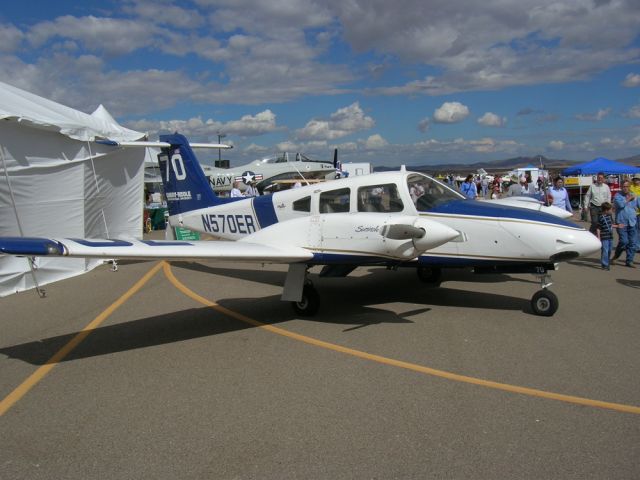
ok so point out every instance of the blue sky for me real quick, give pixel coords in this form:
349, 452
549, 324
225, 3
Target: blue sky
407, 82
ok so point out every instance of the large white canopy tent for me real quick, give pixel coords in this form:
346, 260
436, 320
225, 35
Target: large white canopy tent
55, 181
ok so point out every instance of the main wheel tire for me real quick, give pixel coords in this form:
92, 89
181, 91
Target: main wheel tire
309, 304
429, 275
544, 303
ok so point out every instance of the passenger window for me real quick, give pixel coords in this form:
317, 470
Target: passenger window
379, 198
335, 201
302, 205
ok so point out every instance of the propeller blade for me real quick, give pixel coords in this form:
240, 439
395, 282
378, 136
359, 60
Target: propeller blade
402, 232
335, 158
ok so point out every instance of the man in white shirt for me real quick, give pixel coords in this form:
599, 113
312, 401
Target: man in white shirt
597, 194
235, 191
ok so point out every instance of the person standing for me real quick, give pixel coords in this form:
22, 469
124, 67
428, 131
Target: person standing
522, 188
252, 190
468, 188
604, 233
484, 184
559, 195
597, 194
635, 189
235, 191
626, 204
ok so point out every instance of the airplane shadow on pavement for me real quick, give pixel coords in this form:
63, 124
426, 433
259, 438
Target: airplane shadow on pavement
379, 286
344, 301
179, 326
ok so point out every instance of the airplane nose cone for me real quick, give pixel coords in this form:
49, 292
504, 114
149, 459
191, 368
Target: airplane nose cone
588, 244
576, 244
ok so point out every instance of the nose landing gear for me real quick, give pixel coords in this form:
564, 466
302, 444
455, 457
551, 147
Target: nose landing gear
544, 302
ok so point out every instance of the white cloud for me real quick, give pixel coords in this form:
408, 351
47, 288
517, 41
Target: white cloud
113, 36
10, 38
375, 141
612, 143
165, 13
253, 149
247, 126
556, 145
635, 142
341, 123
492, 120
451, 112
632, 80
594, 117
494, 44
634, 112
460, 145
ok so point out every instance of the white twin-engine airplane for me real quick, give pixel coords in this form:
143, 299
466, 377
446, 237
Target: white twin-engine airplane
393, 219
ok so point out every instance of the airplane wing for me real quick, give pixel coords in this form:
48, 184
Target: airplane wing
113, 143
149, 249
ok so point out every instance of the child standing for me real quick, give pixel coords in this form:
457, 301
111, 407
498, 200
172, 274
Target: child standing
605, 233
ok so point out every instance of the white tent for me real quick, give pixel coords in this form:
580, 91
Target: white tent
54, 181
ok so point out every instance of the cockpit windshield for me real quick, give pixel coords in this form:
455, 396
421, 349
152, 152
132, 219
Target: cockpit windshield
427, 192
285, 157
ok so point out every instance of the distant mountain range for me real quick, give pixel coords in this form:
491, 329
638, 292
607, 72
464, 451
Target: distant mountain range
501, 165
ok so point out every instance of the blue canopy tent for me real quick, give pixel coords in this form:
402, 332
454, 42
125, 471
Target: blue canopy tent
600, 164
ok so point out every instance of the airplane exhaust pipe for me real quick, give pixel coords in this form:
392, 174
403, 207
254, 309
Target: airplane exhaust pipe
402, 232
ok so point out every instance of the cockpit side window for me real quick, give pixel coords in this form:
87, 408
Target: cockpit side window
427, 192
379, 198
302, 205
335, 201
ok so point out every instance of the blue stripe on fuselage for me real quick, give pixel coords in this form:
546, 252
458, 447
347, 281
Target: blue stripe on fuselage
265, 211
485, 209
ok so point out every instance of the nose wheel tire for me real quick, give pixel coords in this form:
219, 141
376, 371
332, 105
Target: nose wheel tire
309, 304
544, 303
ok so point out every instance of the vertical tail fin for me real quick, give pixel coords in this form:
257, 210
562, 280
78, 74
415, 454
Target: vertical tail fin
185, 184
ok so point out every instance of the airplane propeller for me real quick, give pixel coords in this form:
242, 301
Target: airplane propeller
416, 232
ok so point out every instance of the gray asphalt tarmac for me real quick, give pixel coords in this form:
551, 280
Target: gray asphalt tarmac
390, 380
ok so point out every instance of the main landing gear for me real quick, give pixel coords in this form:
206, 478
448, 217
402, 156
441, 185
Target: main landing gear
544, 302
310, 302
300, 292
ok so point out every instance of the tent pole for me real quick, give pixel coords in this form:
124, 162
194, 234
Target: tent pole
30, 260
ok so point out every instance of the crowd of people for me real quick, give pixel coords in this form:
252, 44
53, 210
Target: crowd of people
480, 186
606, 212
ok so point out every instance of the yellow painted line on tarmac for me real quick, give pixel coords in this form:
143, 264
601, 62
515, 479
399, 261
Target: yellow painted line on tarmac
41, 372
398, 363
